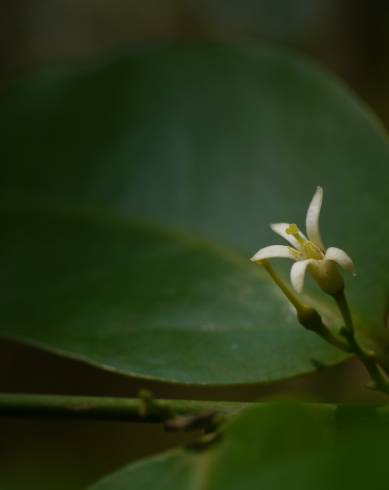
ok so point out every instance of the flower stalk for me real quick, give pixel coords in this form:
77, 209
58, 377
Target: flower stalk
380, 380
293, 299
306, 315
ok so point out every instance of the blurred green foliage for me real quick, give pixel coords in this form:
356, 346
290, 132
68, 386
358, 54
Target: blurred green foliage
282, 447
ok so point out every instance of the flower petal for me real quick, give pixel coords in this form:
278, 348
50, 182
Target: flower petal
312, 219
341, 258
280, 229
297, 273
272, 251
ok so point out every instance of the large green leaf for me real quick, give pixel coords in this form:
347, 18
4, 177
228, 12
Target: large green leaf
143, 301
214, 140
278, 447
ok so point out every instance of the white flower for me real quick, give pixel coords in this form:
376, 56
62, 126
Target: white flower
309, 253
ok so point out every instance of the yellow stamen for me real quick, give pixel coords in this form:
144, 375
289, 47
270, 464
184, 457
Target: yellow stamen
295, 232
311, 251
296, 253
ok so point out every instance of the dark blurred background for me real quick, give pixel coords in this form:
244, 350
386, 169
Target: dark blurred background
349, 37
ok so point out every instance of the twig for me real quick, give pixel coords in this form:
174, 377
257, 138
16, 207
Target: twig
104, 408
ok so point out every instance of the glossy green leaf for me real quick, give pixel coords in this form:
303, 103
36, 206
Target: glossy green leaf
278, 447
143, 301
214, 140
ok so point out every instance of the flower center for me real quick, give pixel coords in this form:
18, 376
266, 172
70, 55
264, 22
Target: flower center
309, 250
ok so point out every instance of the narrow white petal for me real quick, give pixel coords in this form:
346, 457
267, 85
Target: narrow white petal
312, 219
272, 251
280, 229
297, 274
340, 257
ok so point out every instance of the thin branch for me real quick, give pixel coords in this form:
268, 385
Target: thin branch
104, 408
